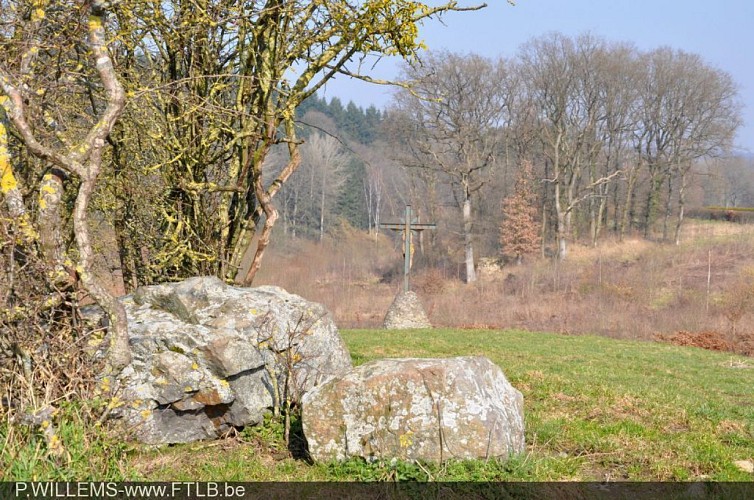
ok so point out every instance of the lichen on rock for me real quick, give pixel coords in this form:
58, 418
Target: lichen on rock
416, 409
205, 355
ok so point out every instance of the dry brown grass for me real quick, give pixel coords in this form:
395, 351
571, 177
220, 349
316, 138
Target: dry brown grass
346, 273
633, 289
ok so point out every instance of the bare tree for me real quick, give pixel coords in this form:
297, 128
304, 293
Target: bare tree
614, 83
83, 160
710, 118
323, 157
563, 76
378, 167
451, 123
549, 73
687, 111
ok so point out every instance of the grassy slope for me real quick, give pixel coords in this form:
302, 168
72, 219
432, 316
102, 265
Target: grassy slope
596, 409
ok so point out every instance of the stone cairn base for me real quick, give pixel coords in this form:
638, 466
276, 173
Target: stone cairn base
406, 312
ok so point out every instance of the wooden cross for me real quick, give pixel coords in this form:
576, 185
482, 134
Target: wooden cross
407, 226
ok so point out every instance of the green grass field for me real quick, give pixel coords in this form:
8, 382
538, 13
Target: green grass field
595, 408
598, 408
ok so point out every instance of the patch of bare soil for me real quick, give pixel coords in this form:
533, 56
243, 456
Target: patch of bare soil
712, 341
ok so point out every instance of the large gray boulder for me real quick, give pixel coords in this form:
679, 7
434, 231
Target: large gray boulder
428, 409
208, 356
406, 312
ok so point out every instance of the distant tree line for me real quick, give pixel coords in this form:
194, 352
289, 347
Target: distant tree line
619, 140
616, 135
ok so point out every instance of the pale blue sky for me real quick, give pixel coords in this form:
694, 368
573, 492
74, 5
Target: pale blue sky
721, 32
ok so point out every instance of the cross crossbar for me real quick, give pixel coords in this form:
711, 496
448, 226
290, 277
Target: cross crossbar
408, 227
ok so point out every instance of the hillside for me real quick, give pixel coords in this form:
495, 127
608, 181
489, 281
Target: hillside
701, 291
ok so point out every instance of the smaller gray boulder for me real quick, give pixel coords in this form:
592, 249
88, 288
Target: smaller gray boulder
427, 409
405, 312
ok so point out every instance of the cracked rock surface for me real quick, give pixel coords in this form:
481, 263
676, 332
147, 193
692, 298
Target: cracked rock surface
207, 357
416, 409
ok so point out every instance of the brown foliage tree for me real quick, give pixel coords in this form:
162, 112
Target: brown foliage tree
519, 232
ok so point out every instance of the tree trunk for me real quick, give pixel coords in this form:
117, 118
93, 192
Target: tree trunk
627, 210
597, 204
601, 216
50, 222
271, 216
655, 184
119, 350
377, 205
593, 218
562, 238
368, 202
85, 161
543, 238
573, 180
322, 210
265, 196
617, 215
562, 232
668, 207
681, 208
467, 240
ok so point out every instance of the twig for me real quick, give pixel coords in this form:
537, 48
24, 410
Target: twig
205, 446
430, 477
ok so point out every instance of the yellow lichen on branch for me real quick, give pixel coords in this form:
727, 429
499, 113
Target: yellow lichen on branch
7, 179
9, 187
45, 191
